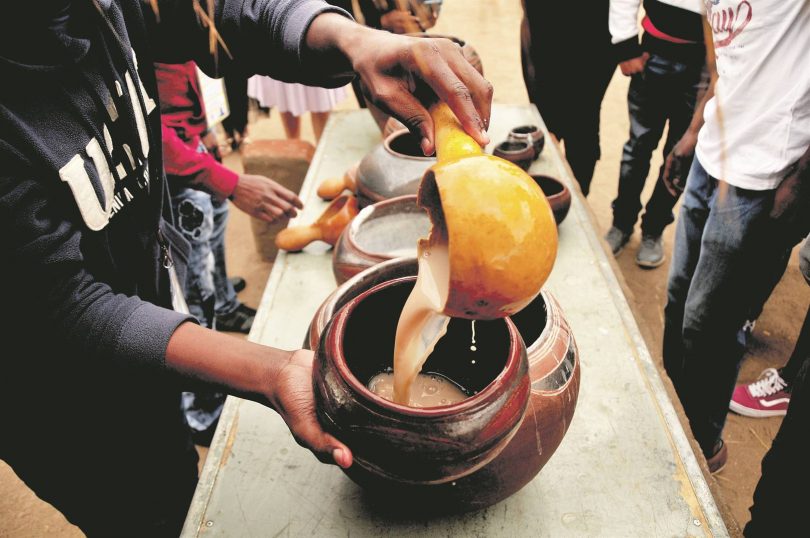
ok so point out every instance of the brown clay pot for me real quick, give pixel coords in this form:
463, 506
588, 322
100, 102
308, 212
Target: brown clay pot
399, 445
380, 232
530, 134
554, 372
519, 152
393, 168
327, 228
557, 194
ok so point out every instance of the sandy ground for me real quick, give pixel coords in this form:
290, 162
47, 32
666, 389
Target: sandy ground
492, 27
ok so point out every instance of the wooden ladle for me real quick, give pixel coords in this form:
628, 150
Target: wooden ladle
331, 188
337, 215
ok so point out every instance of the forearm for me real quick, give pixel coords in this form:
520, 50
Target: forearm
246, 369
708, 94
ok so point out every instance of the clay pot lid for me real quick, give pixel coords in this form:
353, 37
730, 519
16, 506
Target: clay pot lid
338, 330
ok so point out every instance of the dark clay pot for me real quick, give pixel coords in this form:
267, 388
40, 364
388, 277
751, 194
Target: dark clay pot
393, 168
554, 375
530, 134
396, 445
557, 194
519, 152
382, 231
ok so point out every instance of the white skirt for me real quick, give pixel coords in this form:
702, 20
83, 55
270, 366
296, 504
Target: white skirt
293, 98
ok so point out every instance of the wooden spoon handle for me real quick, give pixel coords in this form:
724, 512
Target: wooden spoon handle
452, 141
331, 188
296, 238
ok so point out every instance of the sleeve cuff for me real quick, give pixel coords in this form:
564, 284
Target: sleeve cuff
222, 180
145, 335
298, 21
627, 49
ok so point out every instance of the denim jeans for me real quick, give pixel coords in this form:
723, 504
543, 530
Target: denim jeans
725, 240
666, 91
202, 218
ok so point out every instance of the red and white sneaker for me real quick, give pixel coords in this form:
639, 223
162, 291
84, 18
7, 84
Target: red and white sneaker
765, 397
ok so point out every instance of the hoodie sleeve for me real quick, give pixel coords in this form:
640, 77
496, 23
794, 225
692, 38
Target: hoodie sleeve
623, 24
42, 255
265, 37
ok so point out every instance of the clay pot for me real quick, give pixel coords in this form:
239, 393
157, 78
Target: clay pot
519, 152
327, 228
393, 168
554, 372
530, 134
557, 194
399, 445
380, 232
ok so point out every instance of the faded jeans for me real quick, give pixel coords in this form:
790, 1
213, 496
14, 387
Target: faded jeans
725, 242
202, 218
665, 92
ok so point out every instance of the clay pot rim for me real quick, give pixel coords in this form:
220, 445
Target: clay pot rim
560, 194
341, 319
360, 219
396, 134
530, 130
525, 146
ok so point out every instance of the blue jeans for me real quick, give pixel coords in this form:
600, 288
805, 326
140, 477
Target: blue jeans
202, 218
666, 91
725, 241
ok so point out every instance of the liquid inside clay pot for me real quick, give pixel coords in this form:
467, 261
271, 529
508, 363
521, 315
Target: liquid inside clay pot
396, 445
382, 231
393, 168
554, 372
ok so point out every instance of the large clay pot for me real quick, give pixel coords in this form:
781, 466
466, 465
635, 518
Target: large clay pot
393, 168
396, 445
554, 375
557, 194
380, 232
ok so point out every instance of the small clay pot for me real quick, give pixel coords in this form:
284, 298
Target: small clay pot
531, 134
554, 371
557, 194
519, 152
396, 445
393, 168
382, 231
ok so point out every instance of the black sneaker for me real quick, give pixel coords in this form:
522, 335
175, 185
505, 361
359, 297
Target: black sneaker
238, 321
238, 283
616, 239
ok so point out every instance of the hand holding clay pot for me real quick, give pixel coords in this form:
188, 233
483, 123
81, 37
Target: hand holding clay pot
500, 233
327, 228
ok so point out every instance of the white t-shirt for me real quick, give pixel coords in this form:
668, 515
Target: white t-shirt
758, 122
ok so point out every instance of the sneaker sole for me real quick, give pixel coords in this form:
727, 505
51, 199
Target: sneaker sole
755, 413
650, 265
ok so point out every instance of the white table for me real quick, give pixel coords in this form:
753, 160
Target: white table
625, 467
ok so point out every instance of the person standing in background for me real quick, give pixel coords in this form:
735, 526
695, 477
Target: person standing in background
668, 72
568, 62
200, 186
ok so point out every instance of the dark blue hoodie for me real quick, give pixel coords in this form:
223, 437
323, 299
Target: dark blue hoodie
83, 231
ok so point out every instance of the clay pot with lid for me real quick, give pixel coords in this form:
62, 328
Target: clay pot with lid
396, 445
554, 373
382, 231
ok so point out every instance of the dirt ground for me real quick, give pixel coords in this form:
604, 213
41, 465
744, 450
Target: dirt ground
492, 27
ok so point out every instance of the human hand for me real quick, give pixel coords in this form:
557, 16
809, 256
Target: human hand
791, 201
400, 22
211, 143
291, 395
634, 65
264, 199
391, 66
678, 162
